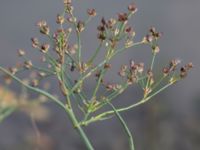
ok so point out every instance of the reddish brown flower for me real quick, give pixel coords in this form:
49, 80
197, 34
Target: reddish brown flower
122, 17
91, 12
132, 7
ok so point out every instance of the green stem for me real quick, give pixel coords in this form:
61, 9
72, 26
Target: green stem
33, 88
6, 112
78, 37
122, 26
158, 83
125, 127
79, 47
142, 101
95, 54
69, 111
101, 64
86, 76
78, 128
151, 69
114, 94
124, 48
98, 83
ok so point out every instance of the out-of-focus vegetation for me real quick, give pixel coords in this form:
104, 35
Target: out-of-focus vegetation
11, 102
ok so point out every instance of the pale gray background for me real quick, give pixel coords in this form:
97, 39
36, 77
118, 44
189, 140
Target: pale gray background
170, 121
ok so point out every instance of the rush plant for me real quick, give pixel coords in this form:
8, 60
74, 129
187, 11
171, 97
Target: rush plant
63, 60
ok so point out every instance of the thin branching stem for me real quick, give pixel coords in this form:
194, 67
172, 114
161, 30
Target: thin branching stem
112, 33
142, 101
124, 125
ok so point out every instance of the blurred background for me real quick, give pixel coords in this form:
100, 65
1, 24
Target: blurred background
171, 121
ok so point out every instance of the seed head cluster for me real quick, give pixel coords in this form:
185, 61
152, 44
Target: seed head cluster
62, 58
